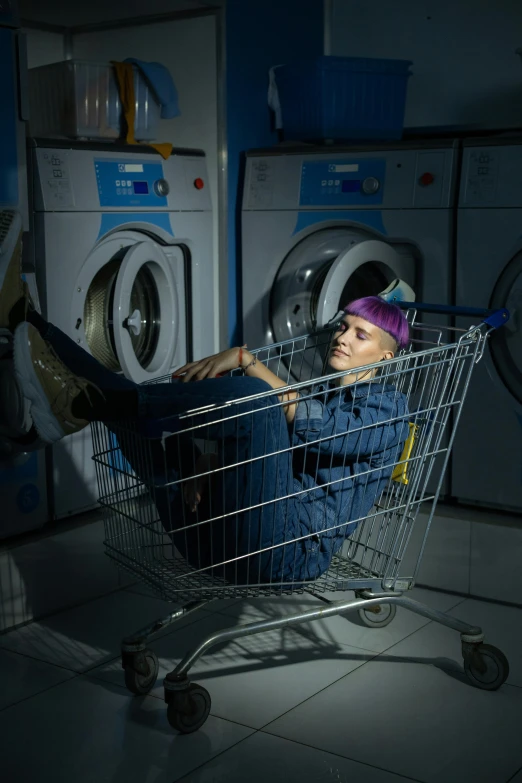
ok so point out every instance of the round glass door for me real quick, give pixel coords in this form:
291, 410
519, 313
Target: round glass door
98, 317
129, 312
506, 343
320, 275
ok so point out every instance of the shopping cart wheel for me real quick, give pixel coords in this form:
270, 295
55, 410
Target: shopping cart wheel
188, 709
378, 616
143, 681
487, 667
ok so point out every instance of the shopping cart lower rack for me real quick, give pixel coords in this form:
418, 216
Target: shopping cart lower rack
240, 541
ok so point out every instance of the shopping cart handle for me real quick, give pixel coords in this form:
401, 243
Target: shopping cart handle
493, 318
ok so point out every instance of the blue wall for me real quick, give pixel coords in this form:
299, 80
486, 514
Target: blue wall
9, 195
259, 35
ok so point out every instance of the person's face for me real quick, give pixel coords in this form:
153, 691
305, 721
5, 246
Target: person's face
356, 343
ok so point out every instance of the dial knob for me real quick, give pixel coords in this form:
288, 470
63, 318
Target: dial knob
370, 185
162, 187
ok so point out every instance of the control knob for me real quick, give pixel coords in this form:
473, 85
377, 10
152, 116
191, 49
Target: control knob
370, 185
162, 187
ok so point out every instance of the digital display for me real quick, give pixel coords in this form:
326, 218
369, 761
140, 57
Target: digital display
132, 168
141, 188
351, 185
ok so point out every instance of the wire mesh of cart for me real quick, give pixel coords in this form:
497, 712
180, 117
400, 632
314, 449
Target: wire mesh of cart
293, 507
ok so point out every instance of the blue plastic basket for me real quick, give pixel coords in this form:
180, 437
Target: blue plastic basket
343, 98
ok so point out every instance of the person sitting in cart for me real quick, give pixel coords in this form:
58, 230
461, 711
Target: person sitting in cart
295, 472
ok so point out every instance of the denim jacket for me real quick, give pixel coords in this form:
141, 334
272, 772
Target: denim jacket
349, 438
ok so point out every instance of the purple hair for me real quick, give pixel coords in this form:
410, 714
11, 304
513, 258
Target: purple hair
388, 317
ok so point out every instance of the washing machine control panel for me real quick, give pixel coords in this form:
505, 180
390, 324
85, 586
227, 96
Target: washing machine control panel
56, 180
124, 183
342, 182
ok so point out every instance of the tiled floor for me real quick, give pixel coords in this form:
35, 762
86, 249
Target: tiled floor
328, 701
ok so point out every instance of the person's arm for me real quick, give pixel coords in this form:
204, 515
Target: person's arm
232, 359
255, 369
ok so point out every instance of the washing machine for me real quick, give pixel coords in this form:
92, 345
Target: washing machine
123, 258
325, 226
487, 465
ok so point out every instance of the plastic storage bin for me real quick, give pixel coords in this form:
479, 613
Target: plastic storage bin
343, 98
80, 99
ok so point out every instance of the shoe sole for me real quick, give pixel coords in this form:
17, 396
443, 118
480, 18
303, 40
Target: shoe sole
45, 421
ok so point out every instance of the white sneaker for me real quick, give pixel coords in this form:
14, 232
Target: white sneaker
49, 385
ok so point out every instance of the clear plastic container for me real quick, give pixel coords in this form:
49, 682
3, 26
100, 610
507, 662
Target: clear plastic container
80, 99
343, 98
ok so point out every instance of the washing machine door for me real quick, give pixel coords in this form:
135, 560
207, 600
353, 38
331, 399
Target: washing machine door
506, 343
327, 270
131, 308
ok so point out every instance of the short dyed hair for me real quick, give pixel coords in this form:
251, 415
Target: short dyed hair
387, 316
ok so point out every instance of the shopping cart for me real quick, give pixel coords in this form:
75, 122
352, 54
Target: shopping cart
193, 558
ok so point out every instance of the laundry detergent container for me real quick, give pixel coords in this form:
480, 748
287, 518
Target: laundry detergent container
80, 99
351, 98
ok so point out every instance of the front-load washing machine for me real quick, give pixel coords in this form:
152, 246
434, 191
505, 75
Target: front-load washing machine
325, 226
123, 258
23, 478
487, 464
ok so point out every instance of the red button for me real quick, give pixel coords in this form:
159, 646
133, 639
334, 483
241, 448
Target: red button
427, 179
199, 184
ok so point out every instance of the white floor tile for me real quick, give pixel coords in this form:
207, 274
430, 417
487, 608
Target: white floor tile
347, 629
85, 731
22, 677
445, 560
81, 638
54, 573
277, 760
414, 720
255, 679
502, 626
495, 561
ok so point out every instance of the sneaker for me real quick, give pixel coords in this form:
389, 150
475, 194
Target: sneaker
48, 384
13, 290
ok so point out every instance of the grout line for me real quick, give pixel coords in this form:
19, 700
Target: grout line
188, 776
40, 660
374, 656
470, 596
339, 756
54, 612
39, 693
514, 775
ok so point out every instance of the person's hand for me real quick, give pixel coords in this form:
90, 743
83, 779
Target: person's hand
193, 492
194, 488
212, 366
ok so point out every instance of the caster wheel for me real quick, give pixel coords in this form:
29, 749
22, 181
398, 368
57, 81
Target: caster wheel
141, 683
490, 670
378, 616
188, 710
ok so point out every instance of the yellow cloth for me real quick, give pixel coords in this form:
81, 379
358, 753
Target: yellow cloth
125, 79
400, 473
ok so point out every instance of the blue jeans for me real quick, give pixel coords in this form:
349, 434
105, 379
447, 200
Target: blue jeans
246, 508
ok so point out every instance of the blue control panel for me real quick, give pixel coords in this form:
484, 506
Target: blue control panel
124, 183
343, 183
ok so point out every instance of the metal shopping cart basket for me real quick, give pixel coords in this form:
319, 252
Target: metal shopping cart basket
230, 549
